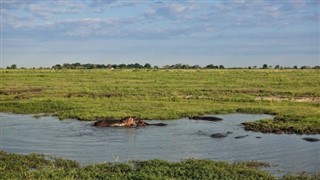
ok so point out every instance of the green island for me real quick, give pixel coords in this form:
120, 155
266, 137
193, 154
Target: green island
292, 95
37, 166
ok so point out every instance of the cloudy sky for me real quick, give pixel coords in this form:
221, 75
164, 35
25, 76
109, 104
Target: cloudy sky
232, 33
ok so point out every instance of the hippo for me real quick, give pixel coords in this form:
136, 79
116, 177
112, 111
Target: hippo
126, 122
311, 139
220, 135
142, 123
239, 137
206, 118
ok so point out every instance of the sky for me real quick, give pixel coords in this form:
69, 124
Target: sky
239, 33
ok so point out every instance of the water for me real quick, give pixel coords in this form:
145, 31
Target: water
181, 139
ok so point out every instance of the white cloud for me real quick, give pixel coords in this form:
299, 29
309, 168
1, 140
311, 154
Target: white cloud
172, 11
152, 20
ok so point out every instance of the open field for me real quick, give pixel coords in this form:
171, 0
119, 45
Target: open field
292, 95
35, 166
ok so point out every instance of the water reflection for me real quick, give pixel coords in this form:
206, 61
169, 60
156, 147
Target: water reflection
181, 139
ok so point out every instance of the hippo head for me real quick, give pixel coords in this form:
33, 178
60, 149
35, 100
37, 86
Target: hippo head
130, 121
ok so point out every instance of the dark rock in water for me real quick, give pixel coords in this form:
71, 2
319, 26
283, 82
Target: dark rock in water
239, 137
206, 118
258, 137
310, 139
220, 135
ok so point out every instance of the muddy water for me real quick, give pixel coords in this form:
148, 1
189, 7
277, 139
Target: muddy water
181, 139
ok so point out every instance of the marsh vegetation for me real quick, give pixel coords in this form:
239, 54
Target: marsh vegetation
36, 166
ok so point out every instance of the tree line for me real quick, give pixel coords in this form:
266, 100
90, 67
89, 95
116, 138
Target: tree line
131, 66
149, 66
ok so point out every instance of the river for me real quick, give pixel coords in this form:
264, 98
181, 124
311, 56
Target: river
181, 139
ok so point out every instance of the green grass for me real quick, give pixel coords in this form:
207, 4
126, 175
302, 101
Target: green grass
165, 94
35, 166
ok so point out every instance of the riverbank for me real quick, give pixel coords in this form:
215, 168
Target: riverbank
167, 94
36, 166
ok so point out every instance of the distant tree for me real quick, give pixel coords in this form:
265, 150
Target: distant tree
277, 67
265, 66
166, 67
109, 66
249, 67
137, 66
57, 66
147, 65
101, 66
221, 67
295, 67
13, 66
176, 66
185, 66
66, 66
210, 66
122, 66
196, 67
76, 66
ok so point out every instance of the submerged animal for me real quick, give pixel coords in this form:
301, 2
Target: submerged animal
206, 118
311, 139
239, 137
126, 122
220, 135
142, 123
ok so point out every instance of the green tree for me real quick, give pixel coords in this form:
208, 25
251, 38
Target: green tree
210, 66
148, 66
57, 66
13, 66
122, 66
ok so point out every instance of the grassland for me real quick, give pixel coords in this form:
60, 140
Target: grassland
292, 95
35, 166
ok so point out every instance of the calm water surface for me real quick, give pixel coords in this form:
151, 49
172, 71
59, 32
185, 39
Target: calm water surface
181, 139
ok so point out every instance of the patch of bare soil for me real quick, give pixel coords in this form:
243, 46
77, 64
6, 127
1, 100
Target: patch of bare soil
292, 99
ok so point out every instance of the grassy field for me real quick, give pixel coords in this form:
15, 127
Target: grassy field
35, 166
292, 95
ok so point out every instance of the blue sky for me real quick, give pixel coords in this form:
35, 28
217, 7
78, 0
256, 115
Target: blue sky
232, 33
